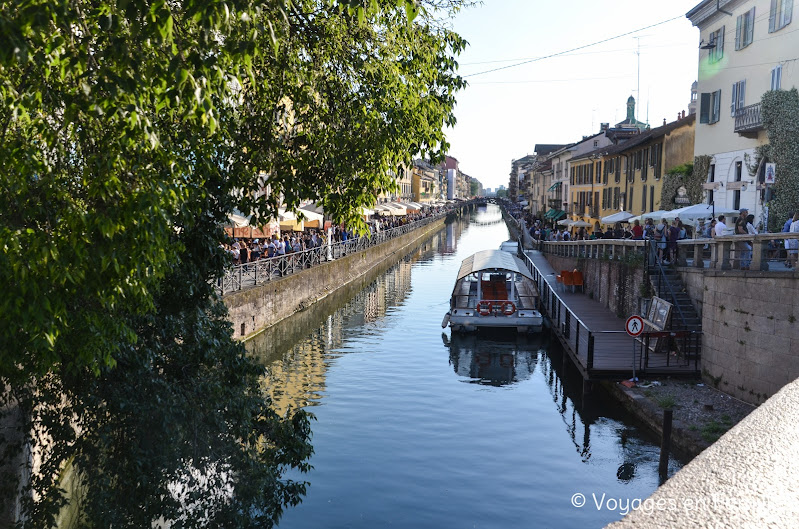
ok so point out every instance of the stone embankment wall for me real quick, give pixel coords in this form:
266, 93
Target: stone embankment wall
264, 305
750, 320
616, 285
750, 325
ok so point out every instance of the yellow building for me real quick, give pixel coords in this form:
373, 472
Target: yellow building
424, 183
585, 185
633, 170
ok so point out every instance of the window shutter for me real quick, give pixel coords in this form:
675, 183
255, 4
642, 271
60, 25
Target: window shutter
742, 94
772, 17
716, 107
779, 78
738, 25
734, 103
750, 30
787, 10
720, 46
704, 108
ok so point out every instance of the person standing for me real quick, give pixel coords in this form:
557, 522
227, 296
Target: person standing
720, 226
794, 243
661, 236
638, 231
785, 229
674, 236
742, 248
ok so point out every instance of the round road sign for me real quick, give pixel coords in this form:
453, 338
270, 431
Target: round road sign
634, 325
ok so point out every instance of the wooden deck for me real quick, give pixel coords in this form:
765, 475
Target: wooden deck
594, 337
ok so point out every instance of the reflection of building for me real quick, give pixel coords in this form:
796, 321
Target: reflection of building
296, 378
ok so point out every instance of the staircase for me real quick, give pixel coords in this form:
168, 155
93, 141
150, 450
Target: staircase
668, 285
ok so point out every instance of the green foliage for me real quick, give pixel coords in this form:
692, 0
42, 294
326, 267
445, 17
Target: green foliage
129, 131
780, 113
666, 402
691, 176
712, 430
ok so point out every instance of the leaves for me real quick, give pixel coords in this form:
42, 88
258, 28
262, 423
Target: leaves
129, 131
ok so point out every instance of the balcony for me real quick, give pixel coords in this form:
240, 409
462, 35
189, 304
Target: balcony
748, 121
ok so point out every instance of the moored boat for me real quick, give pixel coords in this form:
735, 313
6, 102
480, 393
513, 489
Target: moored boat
494, 290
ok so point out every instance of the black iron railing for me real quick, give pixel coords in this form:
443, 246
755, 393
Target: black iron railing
748, 119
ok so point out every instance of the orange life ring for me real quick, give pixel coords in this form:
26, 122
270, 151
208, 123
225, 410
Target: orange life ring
508, 308
484, 308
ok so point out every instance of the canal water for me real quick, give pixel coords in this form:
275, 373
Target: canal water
417, 428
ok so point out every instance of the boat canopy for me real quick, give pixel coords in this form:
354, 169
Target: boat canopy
492, 260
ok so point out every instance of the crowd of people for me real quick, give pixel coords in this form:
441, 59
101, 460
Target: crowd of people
243, 251
665, 235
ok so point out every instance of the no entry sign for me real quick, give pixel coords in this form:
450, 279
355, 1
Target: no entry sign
634, 325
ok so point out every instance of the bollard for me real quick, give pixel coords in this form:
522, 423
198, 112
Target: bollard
665, 444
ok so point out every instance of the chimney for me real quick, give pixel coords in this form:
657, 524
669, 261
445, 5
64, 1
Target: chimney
683, 114
664, 121
603, 127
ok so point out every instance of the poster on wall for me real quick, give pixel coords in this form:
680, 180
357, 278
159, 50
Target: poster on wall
771, 173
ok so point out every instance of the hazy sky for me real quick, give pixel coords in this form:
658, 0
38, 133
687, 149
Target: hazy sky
503, 114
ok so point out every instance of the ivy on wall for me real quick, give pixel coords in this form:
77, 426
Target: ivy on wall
780, 114
690, 175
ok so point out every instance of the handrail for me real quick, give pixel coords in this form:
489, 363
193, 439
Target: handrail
264, 270
662, 277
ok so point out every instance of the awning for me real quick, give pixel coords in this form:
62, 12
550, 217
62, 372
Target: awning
554, 186
554, 214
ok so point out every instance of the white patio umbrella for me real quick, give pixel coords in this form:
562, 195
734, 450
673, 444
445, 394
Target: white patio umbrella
654, 215
580, 224
565, 222
699, 211
238, 221
621, 216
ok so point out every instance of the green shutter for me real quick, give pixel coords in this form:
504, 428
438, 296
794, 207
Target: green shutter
704, 108
750, 33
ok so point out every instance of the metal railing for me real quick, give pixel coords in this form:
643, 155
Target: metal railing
748, 119
727, 252
583, 341
574, 331
246, 275
662, 282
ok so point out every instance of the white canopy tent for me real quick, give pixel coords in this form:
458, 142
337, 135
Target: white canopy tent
621, 216
654, 215
699, 211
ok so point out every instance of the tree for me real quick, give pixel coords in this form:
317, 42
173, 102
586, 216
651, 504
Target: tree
130, 131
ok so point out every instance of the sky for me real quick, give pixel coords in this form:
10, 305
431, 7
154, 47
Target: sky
503, 114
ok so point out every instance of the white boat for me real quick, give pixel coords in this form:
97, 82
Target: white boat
494, 290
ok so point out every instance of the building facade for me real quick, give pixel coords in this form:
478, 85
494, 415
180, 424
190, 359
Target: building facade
746, 48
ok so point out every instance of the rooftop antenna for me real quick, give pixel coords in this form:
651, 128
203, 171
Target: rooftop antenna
638, 90
647, 105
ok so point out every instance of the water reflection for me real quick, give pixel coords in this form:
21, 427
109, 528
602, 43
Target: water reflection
495, 361
298, 352
408, 429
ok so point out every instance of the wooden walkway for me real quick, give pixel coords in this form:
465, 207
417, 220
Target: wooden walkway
594, 337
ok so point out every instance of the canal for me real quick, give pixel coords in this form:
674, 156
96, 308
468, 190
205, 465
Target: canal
417, 428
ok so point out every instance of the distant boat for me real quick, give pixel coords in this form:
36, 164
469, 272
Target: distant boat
494, 290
